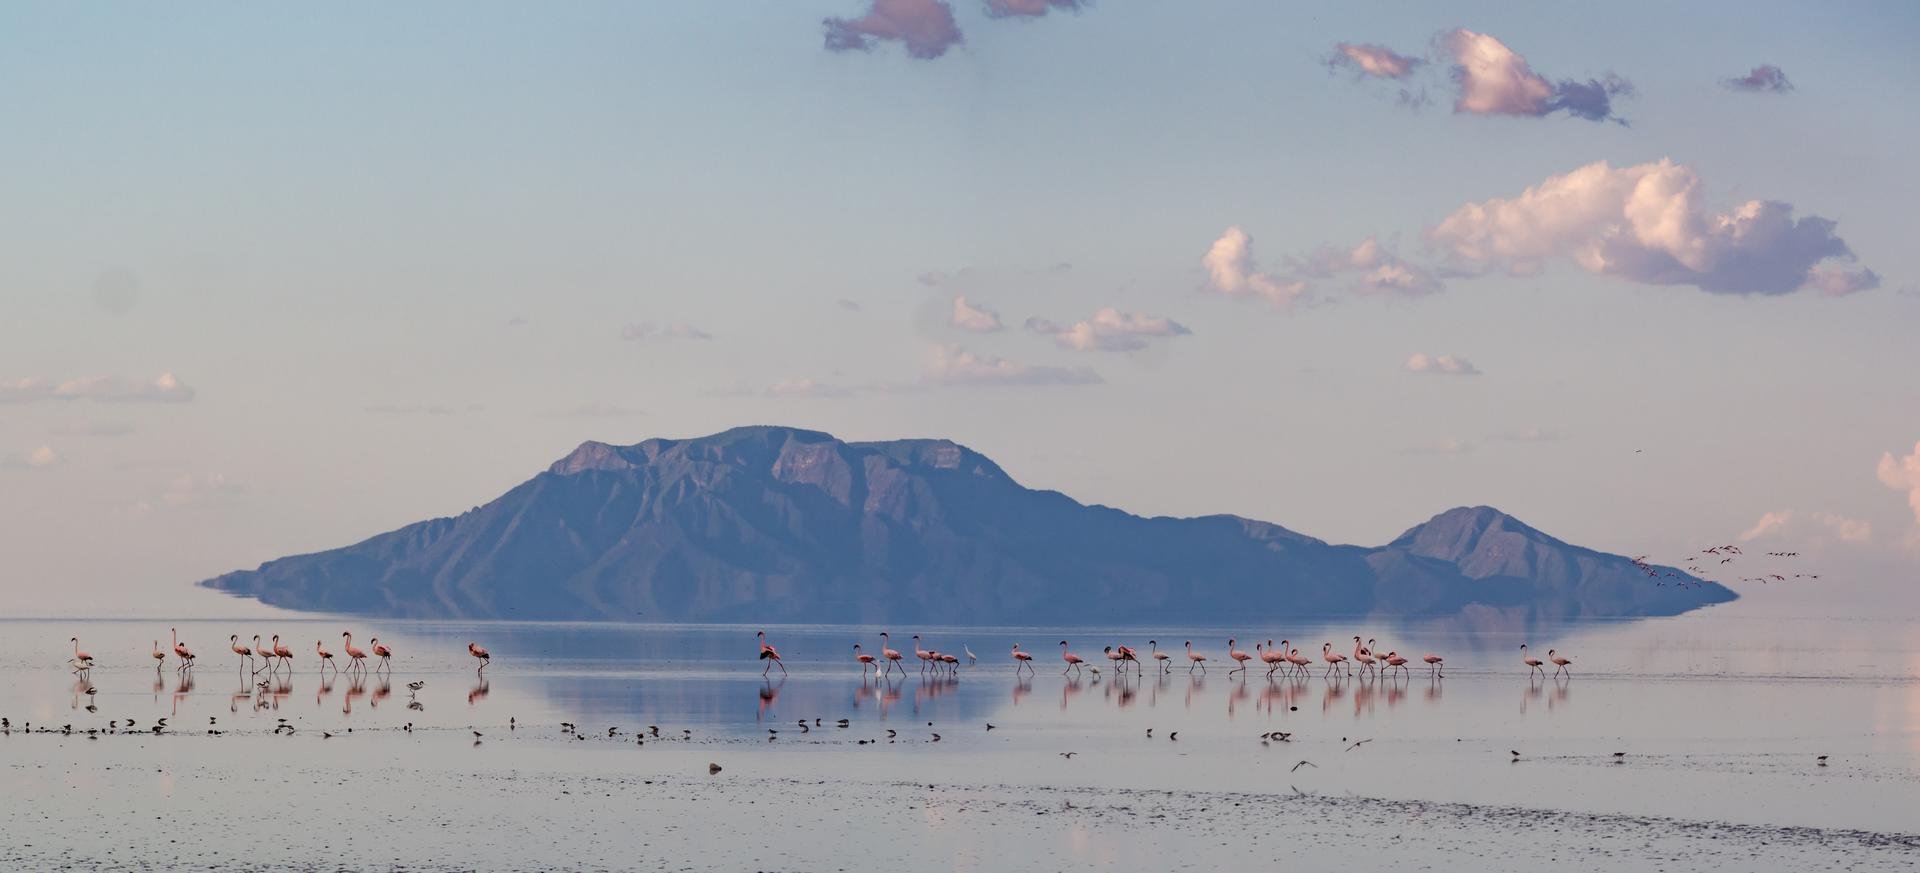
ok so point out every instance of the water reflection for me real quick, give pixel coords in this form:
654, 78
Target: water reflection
478, 692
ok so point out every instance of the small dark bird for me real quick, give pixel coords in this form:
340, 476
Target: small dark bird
1068, 755
712, 769
476, 734
989, 725
1149, 733
1175, 736
1516, 756
1304, 763
1619, 755
1823, 760
936, 738
890, 733
326, 736
1358, 744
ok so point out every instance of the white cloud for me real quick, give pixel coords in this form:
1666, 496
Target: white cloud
978, 319
1445, 365
1231, 271
1833, 280
164, 388
953, 365
1109, 330
1808, 527
38, 459
1903, 474
1367, 59
647, 330
1646, 223
1493, 79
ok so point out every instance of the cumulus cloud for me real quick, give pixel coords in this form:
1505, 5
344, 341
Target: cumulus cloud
953, 365
1109, 330
647, 330
925, 27
1368, 59
1231, 271
38, 459
1492, 79
1833, 280
1030, 8
1444, 365
1763, 79
1808, 527
1646, 223
164, 388
1903, 474
970, 317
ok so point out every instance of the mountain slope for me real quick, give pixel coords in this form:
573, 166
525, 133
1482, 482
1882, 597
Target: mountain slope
780, 524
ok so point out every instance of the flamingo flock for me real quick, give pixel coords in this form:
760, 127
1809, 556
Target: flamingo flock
273, 656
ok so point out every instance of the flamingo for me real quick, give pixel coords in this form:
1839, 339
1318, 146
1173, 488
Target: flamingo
1362, 655
866, 661
1159, 656
1114, 658
1195, 659
479, 653
1532, 662
283, 653
1333, 659
383, 653
1433, 663
925, 656
769, 654
159, 657
1021, 659
180, 650
326, 657
892, 655
243, 651
266, 654
1395, 661
1562, 661
952, 662
354, 652
1300, 662
82, 661
1239, 656
1129, 656
1073, 660
1271, 657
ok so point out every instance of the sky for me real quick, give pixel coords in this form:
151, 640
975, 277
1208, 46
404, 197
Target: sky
280, 279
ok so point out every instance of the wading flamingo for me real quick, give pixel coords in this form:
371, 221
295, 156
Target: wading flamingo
159, 657
926, 657
180, 650
1333, 659
245, 653
891, 654
769, 654
480, 654
1561, 661
1160, 656
1300, 662
284, 654
326, 657
266, 655
1116, 659
82, 661
1239, 656
1073, 660
952, 663
1020, 660
866, 661
1271, 657
1394, 661
1532, 662
383, 653
1129, 656
357, 654
1362, 655
1433, 663
1195, 659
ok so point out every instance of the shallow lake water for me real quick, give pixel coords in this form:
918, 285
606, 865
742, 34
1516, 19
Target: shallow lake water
1719, 716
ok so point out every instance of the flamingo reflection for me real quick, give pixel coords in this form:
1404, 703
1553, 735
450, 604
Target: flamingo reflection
479, 690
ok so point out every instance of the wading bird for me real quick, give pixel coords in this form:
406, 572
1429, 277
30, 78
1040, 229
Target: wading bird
1533, 663
769, 654
1073, 660
1433, 663
245, 652
480, 654
357, 654
1161, 657
82, 661
383, 653
1021, 660
1561, 661
891, 654
866, 661
1333, 659
1195, 659
180, 650
326, 657
1239, 656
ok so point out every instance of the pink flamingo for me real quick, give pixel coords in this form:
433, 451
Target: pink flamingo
1271, 657
1073, 660
866, 661
1161, 657
244, 652
159, 657
480, 654
769, 654
326, 657
1395, 661
1433, 663
266, 655
1363, 655
1333, 659
891, 654
357, 654
1241, 657
180, 650
383, 653
1021, 659
1195, 659
283, 653
1114, 659
1532, 662
952, 663
82, 661
1128, 655
1562, 661
925, 656
1300, 662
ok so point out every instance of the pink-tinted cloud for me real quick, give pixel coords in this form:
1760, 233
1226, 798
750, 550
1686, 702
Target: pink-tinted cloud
953, 365
1109, 330
970, 317
1375, 269
1812, 528
1764, 79
925, 27
1368, 59
1440, 365
1030, 8
1231, 271
1492, 79
164, 388
41, 458
1833, 280
1647, 223
1903, 474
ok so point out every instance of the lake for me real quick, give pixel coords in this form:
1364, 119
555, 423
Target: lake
1720, 716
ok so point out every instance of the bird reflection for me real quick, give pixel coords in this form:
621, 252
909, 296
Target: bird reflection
182, 687
1021, 688
1195, 685
356, 689
1068, 691
1239, 694
324, 688
769, 694
1535, 688
479, 690
1432, 694
1561, 690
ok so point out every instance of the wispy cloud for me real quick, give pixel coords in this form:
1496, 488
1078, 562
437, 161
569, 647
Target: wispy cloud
1763, 79
1368, 59
1109, 330
647, 330
925, 27
971, 317
1487, 77
1808, 528
1443, 365
953, 365
164, 388
1648, 223
41, 458
1903, 474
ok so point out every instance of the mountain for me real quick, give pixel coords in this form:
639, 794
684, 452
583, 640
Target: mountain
779, 524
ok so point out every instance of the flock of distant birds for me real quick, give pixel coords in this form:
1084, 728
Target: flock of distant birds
1701, 569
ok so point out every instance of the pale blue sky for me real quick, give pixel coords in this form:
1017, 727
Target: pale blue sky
391, 251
